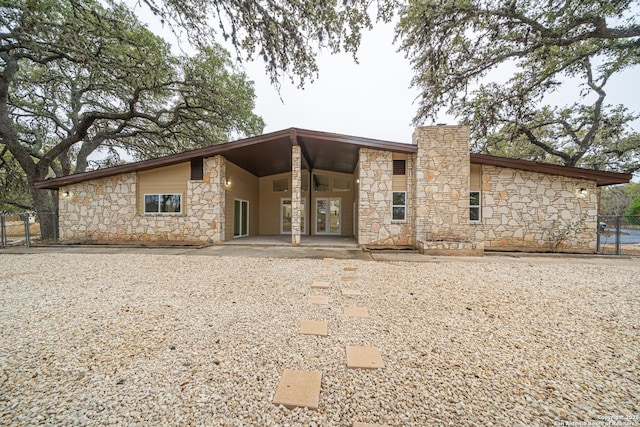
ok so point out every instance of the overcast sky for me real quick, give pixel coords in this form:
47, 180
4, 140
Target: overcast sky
371, 99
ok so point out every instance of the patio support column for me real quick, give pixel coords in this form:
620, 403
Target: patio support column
296, 193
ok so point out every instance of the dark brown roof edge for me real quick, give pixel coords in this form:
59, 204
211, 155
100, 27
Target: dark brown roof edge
55, 183
601, 178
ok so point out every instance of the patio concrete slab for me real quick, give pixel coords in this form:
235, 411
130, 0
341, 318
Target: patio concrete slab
364, 357
314, 327
351, 292
356, 312
318, 299
299, 389
320, 285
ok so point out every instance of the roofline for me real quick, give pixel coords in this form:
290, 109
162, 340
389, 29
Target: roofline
55, 183
601, 178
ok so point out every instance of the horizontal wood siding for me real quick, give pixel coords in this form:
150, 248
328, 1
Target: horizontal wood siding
243, 186
165, 180
476, 178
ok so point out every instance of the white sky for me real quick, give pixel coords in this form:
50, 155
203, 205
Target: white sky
371, 98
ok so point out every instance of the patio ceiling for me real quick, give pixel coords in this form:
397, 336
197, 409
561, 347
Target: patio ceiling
262, 155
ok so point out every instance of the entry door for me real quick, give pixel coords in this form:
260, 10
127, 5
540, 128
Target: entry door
285, 216
328, 215
240, 218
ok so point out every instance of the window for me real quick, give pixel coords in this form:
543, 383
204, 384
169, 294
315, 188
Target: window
474, 205
162, 203
341, 183
399, 167
197, 169
321, 182
399, 206
281, 185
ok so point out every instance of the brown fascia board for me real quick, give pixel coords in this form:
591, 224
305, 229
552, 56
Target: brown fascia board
601, 178
55, 183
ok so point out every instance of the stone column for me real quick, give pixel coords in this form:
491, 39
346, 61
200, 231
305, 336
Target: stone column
442, 183
296, 194
214, 196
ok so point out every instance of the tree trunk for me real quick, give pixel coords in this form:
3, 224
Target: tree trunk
45, 204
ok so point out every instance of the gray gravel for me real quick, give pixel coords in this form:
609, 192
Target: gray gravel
157, 339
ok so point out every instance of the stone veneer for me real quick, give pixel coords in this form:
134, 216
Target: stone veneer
442, 191
296, 194
524, 210
105, 210
376, 228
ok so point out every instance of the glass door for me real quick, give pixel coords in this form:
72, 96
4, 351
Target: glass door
286, 213
328, 216
240, 218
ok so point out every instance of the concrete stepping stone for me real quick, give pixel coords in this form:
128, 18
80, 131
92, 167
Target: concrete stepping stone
351, 292
299, 389
355, 312
349, 278
314, 327
364, 357
350, 269
320, 285
318, 299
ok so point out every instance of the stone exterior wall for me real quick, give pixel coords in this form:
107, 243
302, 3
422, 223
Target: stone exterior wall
296, 194
375, 227
442, 184
524, 210
105, 210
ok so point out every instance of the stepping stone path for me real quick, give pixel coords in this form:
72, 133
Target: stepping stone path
320, 285
299, 388
364, 357
302, 388
318, 299
355, 312
314, 327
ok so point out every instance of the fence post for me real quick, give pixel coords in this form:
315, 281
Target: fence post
618, 227
27, 237
3, 232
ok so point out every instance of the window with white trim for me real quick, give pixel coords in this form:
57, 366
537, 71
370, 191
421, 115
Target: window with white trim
474, 206
399, 206
162, 203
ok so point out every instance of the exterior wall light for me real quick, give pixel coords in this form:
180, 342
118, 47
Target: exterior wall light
227, 182
582, 192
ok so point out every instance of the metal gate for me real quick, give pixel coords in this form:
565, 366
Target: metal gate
618, 235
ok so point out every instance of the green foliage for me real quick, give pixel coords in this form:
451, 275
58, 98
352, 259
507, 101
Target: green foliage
460, 49
617, 199
287, 35
77, 77
634, 208
14, 196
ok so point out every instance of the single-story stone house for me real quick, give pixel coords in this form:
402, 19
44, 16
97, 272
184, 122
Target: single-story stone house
433, 195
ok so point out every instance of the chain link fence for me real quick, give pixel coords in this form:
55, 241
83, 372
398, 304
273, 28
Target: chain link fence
619, 235
27, 228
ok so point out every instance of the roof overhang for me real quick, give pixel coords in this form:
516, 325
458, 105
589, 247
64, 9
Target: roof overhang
262, 155
601, 178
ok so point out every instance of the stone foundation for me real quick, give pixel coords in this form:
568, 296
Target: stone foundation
451, 248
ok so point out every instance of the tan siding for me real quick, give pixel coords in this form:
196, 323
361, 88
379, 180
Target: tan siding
476, 178
243, 186
270, 203
165, 180
399, 182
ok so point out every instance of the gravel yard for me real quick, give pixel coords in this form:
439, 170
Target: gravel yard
146, 339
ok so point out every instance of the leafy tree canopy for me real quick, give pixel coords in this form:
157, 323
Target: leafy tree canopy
459, 47
76, 77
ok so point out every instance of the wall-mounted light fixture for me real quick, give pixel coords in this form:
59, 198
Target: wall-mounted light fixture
66, 194
582, 192
357, 180
227, 182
